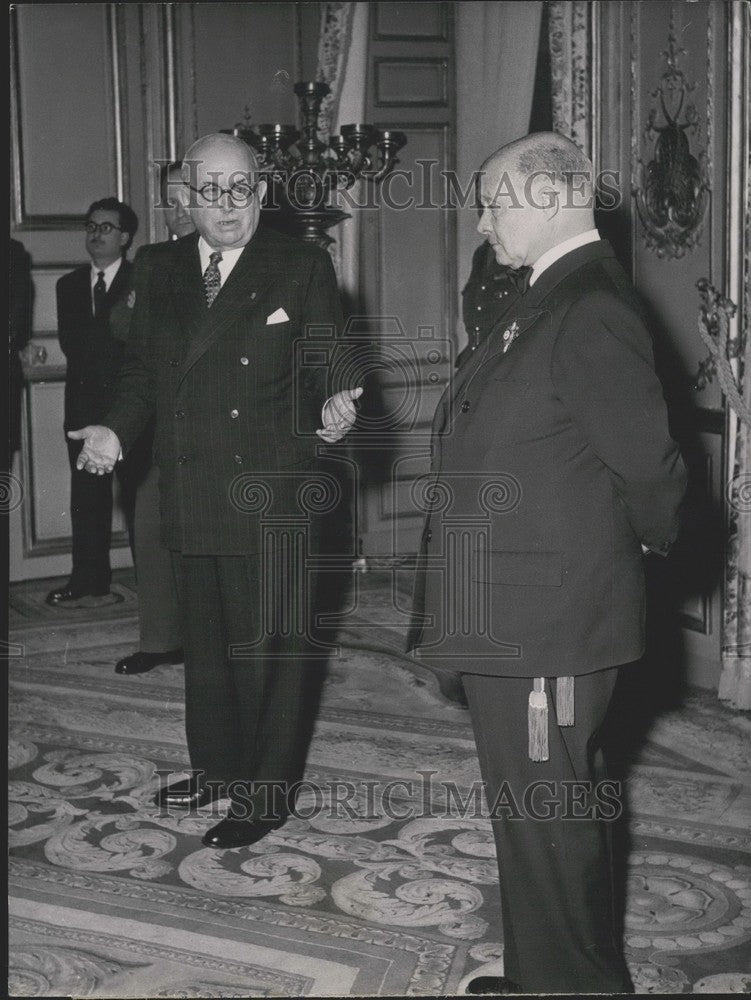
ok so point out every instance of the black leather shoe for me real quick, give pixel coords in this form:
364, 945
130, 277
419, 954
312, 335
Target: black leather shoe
141, 663
233, 832
66, 594
492, 986
189, 794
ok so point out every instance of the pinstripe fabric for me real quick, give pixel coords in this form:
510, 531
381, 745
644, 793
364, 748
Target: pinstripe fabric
231, 393
249, 717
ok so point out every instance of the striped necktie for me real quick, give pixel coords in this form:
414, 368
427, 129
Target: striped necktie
212, 279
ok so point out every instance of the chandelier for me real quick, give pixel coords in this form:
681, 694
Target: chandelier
303, 172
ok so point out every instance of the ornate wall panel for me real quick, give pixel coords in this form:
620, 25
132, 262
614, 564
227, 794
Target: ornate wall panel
427, 22
57, 167
662, 127
416, 82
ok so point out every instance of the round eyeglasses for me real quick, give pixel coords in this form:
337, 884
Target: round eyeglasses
239, 194
105, 228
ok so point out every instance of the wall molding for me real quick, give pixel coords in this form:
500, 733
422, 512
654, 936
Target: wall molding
117, 89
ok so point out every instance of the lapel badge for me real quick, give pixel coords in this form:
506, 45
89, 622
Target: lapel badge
510, 335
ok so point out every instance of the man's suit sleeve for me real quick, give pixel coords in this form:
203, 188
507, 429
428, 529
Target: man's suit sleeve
323, 308
65, 318
603, 370
135, 394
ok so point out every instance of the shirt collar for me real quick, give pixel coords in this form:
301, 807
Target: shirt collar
560, 250
230, 257
109, 272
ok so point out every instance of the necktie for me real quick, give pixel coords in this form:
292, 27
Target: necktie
520, 276
211, 277
100, 292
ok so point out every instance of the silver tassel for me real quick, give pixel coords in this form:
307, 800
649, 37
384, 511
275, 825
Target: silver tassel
537, 721
564, 700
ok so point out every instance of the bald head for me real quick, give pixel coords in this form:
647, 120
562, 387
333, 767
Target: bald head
536, 192
541, 151
223, 191
218, 144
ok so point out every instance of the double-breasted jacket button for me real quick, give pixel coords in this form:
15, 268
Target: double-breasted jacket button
244, 361
234, 414
465, 406
182, 459
238, 459
179, 414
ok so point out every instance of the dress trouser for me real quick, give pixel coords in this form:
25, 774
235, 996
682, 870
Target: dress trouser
91, 522
556, 873
158, 613
249, 712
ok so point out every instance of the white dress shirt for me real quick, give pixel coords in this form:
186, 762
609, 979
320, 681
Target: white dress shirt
560, 250
228, 261
108, 272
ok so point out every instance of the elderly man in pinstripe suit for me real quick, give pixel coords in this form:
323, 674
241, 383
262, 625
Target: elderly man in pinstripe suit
214, 334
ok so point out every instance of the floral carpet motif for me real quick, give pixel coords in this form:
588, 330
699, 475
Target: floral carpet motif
365, 891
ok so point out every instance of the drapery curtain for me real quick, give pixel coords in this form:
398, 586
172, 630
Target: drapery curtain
496, 56
735, 678
342, 64
570, 64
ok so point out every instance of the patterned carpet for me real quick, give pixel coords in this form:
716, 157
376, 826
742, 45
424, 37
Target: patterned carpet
109, 897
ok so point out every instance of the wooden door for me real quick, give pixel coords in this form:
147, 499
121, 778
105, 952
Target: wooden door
408, 291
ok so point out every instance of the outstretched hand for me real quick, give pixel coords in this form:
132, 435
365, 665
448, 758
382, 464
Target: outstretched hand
339, 414
101, 449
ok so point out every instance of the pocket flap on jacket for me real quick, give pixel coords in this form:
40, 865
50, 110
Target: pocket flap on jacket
524, 569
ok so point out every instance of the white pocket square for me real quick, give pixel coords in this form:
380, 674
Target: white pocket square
279, 316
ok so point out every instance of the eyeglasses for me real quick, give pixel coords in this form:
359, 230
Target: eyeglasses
239, 194
105, 228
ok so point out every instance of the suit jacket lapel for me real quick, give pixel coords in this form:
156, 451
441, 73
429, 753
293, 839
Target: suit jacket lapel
186, 282
119, 284
254, 270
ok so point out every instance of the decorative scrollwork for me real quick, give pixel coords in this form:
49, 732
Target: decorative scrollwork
318, 494
501, 495
715, 313
430, 495
672, 190
250, 494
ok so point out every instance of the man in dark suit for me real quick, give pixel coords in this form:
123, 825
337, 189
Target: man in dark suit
557, 472
218, 319
93, 353
158, 612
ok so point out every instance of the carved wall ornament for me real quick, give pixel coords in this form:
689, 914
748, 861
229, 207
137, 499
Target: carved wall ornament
715, 313
672, 190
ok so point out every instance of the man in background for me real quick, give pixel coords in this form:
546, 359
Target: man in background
85, 300
158, 612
